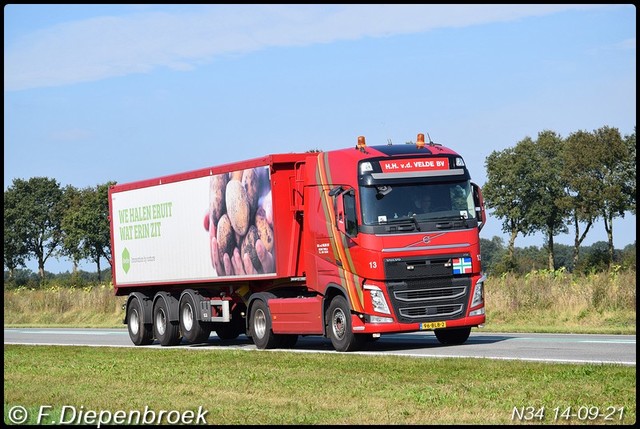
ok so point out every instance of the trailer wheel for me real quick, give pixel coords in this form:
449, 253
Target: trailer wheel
339, 327
166, 331
230, 330
454, 336
260, 326
141, 334
193, 330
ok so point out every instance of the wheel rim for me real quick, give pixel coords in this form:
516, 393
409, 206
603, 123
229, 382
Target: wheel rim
187, 317
260, 324
134, 321
161, 322
339, 322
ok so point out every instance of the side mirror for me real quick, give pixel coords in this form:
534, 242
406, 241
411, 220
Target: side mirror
479, 204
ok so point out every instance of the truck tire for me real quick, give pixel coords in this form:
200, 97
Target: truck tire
453, 336
193, 330
260, 326
339, 329
232, 329
166, 331
141, 334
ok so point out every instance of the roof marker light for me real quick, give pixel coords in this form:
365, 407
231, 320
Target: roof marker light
420, 141
361, 143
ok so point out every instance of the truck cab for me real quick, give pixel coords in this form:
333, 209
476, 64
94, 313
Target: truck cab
400, 240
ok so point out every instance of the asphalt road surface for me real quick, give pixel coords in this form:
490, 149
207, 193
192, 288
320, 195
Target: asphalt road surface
567, 348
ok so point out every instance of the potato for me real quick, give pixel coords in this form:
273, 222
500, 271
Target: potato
238, 207
264, 229
225, 236
217, 187
252, 185
249, 246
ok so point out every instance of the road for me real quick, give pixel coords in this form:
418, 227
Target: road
559, 348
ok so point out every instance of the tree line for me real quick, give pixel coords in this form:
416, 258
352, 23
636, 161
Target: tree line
593, 259
553, 183
542, 185
43, 220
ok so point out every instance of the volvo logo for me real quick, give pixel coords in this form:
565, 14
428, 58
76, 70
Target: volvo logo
427, 238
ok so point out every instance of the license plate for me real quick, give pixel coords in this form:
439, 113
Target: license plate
433, 325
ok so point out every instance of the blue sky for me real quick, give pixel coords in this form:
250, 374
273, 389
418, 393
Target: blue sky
94, 93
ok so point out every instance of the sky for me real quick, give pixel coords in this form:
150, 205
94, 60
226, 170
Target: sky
126, 92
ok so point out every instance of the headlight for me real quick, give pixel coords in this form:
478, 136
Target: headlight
378, 301
478, 292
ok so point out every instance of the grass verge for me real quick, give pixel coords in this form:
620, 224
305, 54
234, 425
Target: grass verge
263, 387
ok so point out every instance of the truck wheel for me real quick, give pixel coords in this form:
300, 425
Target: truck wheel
453, 336
339, 327
193, 330
141, 334
260, 325
167, 332
232, 329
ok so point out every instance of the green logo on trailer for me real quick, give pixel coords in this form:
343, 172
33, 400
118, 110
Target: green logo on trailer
126, 260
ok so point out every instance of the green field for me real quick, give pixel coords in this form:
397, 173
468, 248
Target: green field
269, 387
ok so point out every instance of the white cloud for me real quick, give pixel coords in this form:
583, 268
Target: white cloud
109, 46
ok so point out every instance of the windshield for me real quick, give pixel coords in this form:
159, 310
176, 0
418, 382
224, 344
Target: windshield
383, 203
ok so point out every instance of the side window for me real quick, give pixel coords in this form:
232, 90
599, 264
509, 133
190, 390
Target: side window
350, 213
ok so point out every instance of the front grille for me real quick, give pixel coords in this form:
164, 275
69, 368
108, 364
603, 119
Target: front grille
430, 294
425, 290
446, 311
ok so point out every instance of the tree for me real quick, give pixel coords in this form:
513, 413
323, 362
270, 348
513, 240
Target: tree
98, 233
596, 258
86, 225
36, 207
615, 180
15, 251
492, 252
73, 234
628, 256
545, 190
580, 173
629, 168
503, 194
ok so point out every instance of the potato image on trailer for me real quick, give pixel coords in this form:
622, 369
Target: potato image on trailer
225, 236
217, 188
264, 229
251, 183
236, 175
249, 247
238, 207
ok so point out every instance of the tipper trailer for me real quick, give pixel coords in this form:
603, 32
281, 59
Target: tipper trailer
349, 244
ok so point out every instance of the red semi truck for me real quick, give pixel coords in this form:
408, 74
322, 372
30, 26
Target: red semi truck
343, 244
